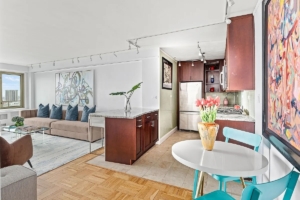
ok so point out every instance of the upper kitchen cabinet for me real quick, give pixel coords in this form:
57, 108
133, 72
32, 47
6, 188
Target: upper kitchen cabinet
191, 71
240, 54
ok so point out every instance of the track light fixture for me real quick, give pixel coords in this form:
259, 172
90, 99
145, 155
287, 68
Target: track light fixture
100, 56
91, 58
78, 59
137, 51
204, 61
129, 47
40, 65
201, 54
230, 3
179, 64
192, 63
228, 21
53, 63
72, 60
115, 54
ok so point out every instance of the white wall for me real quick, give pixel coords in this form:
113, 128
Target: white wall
278, 165
110, 75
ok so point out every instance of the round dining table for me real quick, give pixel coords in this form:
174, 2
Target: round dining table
225, 159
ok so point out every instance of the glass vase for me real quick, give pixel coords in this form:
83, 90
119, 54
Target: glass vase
127, 106
208, 134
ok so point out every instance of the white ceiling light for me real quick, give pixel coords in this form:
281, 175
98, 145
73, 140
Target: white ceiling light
228, 21
192, 63
179, 64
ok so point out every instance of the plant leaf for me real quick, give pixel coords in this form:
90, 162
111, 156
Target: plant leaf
117, 93
135, 87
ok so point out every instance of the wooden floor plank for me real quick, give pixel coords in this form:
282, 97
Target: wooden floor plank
79, 180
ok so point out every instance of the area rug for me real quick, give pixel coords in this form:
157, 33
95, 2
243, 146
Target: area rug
158, 164
55, 151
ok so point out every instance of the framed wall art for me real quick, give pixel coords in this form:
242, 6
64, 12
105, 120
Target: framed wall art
75, 88
167, 69
282, 77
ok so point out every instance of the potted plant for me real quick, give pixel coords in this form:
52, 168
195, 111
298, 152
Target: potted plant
208, 129
127, 106
18, 121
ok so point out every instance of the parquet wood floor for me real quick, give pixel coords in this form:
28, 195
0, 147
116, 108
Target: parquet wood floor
80, 180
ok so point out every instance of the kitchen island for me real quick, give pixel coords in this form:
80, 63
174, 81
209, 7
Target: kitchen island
128, 135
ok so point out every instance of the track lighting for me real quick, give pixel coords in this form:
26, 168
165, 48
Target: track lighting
100, 56
72, 60
91, 58
31, 67
129, 48
40, 65
137, 51
192, 63
115, 54
228, 21
230, 3
78, 59
204, 61
53, 63
179, 64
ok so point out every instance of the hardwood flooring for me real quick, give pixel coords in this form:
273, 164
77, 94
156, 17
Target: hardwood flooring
80, 180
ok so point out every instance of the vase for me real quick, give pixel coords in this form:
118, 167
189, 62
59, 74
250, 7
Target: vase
127, 106
208, 134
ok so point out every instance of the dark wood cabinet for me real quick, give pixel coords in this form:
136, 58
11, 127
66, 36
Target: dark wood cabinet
128, 139
188, 72
240, 54
241, 125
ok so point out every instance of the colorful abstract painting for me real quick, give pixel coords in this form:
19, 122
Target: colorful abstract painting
74, 88
283, 60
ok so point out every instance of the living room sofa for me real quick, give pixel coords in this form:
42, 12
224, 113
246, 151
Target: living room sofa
71, 129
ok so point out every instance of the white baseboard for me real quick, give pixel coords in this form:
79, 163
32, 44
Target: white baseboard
161, 140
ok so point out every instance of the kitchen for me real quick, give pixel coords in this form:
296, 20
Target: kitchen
232, 79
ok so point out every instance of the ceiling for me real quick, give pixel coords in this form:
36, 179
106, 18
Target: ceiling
34, 31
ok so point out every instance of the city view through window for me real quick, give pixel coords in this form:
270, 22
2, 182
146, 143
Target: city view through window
11, 90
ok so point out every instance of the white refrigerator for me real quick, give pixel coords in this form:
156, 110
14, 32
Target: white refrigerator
189, 116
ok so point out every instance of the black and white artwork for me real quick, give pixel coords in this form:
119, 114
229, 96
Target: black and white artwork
166, 74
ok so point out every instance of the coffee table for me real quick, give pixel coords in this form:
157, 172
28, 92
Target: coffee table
25, 130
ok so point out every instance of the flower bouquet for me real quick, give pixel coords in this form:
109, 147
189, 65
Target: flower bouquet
208, 129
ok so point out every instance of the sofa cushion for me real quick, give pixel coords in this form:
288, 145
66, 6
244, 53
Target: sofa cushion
72, 113
73, 126
39, 122
43, 111
85, 113
56, 112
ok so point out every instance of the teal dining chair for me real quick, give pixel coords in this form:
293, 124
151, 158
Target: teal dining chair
264, 191
238, 135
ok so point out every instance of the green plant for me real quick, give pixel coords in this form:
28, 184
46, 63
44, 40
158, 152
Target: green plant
208, 108
19, 121
128, 95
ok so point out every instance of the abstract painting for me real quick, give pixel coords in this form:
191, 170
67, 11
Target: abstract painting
74, 88
166, 74
282, 71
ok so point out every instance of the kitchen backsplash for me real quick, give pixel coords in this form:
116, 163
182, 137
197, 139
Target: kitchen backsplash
244, 98
233, 97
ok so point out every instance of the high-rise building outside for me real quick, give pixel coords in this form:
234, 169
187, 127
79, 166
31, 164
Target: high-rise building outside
11, 95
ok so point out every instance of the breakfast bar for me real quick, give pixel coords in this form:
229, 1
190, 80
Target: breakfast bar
128, 135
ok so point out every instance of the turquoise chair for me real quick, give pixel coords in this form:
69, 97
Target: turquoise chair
238, 135
265, 191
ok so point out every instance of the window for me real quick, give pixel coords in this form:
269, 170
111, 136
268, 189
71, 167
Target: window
12, 90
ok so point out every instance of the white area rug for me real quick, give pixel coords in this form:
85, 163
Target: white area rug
55, 151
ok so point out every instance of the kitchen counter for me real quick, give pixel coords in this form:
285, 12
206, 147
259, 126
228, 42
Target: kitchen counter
235, 117
134, 113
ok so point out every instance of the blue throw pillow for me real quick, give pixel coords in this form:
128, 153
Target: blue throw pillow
85, 113
72, 113
43, 111
56, 112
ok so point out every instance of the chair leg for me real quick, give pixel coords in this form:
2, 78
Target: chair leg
220, 185
195, 183
30, 164
224, 186
254, 180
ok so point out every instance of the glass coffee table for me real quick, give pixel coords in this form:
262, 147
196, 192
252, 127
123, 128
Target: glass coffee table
25, 130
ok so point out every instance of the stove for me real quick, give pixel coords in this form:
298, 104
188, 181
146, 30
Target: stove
229, 111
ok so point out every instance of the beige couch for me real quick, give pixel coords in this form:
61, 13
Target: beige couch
71, 129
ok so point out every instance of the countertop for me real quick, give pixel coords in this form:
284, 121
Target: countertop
235, 117
134, 113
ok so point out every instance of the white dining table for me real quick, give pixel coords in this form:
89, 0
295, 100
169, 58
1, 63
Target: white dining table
225, 159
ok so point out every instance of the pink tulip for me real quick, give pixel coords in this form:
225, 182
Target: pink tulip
217, 100
208, 99
203, 102
198, 103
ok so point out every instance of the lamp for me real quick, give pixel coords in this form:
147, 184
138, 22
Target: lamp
230, 3
192, 63
179, 64
228, 21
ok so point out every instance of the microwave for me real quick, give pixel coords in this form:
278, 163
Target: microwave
223, 78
